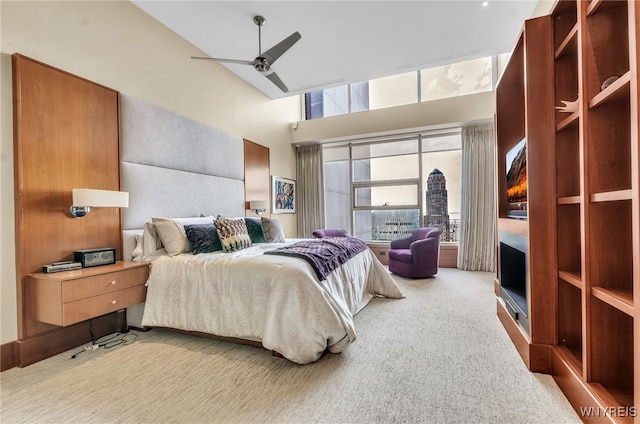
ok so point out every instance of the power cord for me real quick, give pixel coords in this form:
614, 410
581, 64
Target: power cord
108, 342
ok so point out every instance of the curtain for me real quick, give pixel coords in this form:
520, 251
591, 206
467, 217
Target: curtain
476, 249
310, 201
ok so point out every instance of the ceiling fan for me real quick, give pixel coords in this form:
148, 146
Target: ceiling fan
263, 62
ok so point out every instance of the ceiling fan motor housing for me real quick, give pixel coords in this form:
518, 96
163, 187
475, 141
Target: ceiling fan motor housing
261, 64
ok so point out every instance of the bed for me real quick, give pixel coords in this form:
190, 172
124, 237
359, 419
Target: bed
276, 301
170, 169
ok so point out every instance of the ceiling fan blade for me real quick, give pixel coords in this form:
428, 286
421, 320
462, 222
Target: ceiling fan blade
278, 50
273, 77
241, 62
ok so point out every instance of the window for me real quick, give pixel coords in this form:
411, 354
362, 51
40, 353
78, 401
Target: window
381, 190
391, 91
441, 165
337, 100
337, 187
456, 79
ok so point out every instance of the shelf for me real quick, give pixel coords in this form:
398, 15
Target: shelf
612, 358
565, 17
572, 356
606, 38
569, 200
612, 196
568, 121
572, 277
568, 166
571, 38
608, 145
570, 320
610, 238
619, 299
566, 78
569, 236
596, 6
619, 89
593, 6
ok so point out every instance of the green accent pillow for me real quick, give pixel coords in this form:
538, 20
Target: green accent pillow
254, 227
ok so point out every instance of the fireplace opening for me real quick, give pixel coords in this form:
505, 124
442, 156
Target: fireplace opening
514, 278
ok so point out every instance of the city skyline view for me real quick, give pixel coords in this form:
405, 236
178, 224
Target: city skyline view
379, 190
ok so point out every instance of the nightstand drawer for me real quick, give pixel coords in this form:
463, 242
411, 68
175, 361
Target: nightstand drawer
65, 298
85, 309
97, 285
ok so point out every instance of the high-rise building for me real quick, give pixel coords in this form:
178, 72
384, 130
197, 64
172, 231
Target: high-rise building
437, 202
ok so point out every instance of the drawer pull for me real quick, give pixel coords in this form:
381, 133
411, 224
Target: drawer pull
113, 282
113, 302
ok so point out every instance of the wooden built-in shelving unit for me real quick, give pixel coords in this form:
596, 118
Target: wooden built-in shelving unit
595, 224
522, 110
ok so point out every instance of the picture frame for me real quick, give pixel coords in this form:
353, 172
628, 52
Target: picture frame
283, 195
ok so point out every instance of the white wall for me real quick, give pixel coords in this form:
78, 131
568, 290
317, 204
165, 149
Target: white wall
117, 45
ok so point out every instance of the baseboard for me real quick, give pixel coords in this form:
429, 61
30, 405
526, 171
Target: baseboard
537, 357
42, 346
8, 358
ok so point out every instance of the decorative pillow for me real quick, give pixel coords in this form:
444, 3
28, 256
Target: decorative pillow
233, 234
254, 227
272, 230
138, 251
151, 243
330, 232
202, 238
171, 232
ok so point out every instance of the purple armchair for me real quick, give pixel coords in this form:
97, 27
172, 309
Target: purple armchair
416, 255
330, 232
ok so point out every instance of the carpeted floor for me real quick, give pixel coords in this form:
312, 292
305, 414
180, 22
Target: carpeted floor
438, 356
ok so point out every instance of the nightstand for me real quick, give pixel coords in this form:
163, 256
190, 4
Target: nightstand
69, 297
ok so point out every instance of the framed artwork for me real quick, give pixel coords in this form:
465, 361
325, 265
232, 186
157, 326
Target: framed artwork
283, 195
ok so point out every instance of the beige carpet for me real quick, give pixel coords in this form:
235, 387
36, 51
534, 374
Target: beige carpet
438, 356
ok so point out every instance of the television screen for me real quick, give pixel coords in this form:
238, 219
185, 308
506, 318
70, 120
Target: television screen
517, 176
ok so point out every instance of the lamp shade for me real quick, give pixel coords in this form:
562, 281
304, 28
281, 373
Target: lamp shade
100, 198
258, 205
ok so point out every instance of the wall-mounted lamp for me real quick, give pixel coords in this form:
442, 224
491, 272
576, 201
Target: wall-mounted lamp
85, 198
258, 206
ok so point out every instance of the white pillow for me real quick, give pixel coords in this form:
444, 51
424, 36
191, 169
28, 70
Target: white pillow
171, 232
151, 242
138, 251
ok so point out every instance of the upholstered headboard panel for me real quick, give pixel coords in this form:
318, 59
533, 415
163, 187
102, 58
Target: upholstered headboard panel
175, 167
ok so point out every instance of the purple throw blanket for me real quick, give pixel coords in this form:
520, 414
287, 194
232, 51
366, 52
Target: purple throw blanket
325, 254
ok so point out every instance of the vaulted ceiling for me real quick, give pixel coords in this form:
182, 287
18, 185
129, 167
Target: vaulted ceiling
343, 41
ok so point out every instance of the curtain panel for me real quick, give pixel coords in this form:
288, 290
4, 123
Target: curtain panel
310, 201
476, 250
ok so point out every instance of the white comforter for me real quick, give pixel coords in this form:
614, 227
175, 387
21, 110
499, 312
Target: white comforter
276, 300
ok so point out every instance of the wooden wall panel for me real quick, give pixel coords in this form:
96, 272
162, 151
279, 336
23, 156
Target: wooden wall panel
257, 184
65, 137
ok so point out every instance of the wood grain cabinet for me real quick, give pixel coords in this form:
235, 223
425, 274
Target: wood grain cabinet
585, 314
69, 297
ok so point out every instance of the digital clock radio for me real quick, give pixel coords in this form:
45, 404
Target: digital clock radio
95, 257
